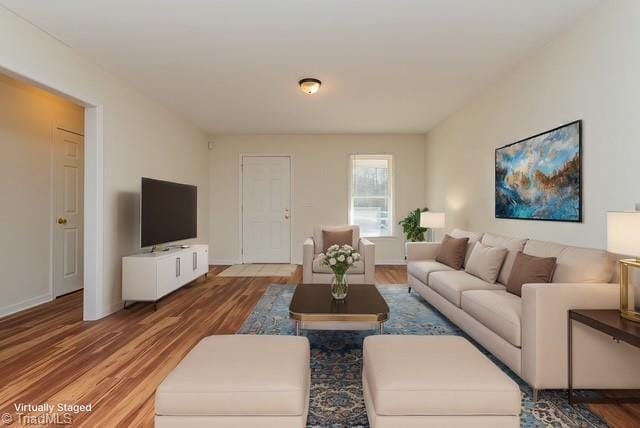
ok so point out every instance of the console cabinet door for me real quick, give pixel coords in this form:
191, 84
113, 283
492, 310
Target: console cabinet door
203, 261
169, 272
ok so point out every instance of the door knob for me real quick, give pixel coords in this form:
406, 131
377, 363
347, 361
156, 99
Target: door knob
62, 220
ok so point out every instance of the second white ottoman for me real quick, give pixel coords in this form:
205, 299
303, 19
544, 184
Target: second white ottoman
238, 381
443, 381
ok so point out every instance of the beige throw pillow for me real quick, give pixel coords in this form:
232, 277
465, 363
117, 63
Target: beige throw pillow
452, 251
485, 262
336, 237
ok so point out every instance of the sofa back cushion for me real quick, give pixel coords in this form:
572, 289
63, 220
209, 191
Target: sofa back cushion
529, 269
513, 246
485, 262
574, 264
319, 242
452, 251
577, 264
473, 237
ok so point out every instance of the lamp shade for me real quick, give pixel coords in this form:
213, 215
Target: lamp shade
432, 220
623, 232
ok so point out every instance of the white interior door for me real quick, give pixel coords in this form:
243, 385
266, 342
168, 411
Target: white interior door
266, 213
68, 173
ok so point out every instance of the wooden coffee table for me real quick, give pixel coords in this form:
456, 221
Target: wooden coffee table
313, 307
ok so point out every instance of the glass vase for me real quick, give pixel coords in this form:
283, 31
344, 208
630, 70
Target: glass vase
339, 286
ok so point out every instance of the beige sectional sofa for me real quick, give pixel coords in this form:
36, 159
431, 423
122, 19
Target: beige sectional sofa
529, 333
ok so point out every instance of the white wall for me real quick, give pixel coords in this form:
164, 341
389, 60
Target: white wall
589, 73
320, 185
141, 138
28, 119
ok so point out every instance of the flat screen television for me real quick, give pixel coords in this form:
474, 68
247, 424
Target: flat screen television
168, 212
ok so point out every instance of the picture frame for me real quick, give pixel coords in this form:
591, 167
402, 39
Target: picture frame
540, 177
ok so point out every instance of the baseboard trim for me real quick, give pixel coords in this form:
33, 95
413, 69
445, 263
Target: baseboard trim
111, 309
223, 262
391, 262
25, 304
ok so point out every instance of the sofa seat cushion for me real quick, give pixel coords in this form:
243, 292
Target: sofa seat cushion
433, 376
318, 267
451, 284
499, 311
239, 375
422, 268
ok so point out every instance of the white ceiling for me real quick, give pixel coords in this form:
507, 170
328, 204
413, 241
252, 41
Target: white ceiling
232, 66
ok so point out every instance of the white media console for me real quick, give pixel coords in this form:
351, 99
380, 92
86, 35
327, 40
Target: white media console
148, 277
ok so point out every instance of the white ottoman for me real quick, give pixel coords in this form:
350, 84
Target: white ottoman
438, 381
238, 381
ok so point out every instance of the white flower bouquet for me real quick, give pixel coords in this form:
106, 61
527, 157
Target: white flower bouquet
339, 259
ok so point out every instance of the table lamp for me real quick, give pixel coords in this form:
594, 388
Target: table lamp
431, 220
623, 237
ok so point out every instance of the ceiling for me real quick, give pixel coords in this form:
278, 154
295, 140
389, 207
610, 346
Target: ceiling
232, 66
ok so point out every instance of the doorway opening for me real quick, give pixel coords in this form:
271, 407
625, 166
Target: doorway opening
51, 145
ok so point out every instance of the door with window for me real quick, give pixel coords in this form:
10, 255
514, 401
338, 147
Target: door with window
371, 194
68, 177
266, 209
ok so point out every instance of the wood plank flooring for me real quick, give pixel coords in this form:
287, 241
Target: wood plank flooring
49, 355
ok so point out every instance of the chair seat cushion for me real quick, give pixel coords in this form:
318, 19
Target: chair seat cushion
452, 284
499, 311
318, 267
421, 269
239, 375
435, 375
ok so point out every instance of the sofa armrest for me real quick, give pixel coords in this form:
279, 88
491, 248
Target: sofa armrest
367, 250
422, 250
544, 323
308, 251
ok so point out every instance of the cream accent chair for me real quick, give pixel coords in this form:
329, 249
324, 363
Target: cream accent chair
313, 272
529, 333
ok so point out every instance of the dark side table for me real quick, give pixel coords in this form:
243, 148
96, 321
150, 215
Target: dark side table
612, 324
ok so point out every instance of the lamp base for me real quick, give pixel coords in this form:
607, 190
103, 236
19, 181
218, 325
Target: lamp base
630, 315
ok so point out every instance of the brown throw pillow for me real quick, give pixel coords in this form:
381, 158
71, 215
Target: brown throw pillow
452, 251
530, 270
336, 237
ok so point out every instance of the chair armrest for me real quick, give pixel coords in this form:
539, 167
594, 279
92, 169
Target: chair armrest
308, 252
422, 250
367, 250
544, 321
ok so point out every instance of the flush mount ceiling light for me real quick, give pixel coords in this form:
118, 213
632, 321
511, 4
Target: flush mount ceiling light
309, 85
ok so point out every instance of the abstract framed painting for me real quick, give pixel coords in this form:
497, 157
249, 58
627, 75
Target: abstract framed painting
540, 177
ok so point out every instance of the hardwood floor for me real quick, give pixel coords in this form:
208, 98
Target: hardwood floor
49, 355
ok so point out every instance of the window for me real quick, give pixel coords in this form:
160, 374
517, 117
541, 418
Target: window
370, 194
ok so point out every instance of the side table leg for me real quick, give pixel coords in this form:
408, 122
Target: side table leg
381, 328
297, 328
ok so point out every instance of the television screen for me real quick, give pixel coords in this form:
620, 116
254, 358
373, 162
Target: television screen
169, 212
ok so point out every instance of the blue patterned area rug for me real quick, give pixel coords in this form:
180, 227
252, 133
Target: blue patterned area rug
336, 361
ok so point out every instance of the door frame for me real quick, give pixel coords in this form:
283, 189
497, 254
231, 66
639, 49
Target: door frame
94, 306
241, 200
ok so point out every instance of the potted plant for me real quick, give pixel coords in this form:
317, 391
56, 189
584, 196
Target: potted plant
339, 259
411, 226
